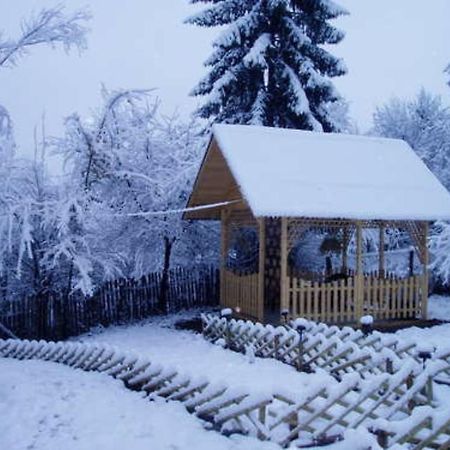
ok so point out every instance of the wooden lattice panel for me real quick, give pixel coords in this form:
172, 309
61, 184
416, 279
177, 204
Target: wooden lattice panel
374, 390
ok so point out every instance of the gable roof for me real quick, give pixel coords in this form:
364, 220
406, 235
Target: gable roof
296, 173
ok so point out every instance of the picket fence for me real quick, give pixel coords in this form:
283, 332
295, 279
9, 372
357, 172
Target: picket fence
57, 316
385, 405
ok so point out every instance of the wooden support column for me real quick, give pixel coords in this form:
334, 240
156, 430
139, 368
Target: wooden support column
261, 268
381, 251
223, 254
284, 303
345, 241
359, 277
426, 260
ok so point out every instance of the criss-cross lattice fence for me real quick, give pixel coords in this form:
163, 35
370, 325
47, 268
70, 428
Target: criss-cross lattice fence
426, 428
319, 415
309, 346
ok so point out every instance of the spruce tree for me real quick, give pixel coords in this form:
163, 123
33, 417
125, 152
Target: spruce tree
269, 66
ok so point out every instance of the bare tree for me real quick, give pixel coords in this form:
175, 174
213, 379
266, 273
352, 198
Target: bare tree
51, 26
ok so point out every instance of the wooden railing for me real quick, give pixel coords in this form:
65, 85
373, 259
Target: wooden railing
392, 298
346, 300
322, 302
242, 291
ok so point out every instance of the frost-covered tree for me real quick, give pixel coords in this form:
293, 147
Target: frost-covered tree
7, 144
135, 168
50, 26
47, 242
269, 65
31, 228
424, 123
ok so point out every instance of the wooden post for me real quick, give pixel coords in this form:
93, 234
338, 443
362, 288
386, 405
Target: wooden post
261, 268
359, 277
223, 254
425, 262
381, 252
284, 303
345, 239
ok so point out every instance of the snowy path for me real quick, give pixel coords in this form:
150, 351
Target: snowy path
47, 406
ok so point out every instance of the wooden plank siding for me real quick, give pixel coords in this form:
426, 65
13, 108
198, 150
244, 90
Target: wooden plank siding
241, 292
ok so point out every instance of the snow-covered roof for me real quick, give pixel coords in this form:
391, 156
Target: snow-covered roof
283, 172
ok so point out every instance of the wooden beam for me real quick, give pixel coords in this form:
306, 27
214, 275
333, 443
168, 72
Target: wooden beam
223, 253
359, 278
284, 303
345, 242
425, 270
262, 261
381, 251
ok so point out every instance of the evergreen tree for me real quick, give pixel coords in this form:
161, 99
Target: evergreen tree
269, 67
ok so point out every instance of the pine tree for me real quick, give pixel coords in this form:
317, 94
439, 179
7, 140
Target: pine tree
269, 66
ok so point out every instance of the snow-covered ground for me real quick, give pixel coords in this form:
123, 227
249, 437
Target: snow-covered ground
190, 353
438, 336
45, 406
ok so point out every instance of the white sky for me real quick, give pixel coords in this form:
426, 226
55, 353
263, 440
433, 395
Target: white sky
392, 47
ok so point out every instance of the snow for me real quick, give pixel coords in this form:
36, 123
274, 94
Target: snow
309, 174
226, 312
439, 307
191, 354
47, 406
436, 337
366, 320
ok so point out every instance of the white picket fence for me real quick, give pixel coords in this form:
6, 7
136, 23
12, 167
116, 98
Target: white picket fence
317, 416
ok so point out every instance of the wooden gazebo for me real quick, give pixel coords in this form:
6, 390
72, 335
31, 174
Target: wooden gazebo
278, 191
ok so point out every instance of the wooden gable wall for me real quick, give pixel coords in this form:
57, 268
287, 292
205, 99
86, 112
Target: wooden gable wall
214, 184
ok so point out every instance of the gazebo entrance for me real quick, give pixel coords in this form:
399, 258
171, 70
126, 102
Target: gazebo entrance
261, 281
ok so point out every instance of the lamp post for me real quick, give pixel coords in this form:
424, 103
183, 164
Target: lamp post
366, 325
227, 314
285, 315
424, 353
301, 328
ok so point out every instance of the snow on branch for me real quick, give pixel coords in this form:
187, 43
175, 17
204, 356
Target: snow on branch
51, 26
256, 55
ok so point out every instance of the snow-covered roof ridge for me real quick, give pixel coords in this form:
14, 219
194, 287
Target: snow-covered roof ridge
313, 134
285, 172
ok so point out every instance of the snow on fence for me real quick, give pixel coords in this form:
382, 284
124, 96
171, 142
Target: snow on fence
58, 316
309, 346
397, 408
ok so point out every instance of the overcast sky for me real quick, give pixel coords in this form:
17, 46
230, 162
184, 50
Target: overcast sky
392, 47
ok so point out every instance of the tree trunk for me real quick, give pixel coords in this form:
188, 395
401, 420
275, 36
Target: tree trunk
164, 287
